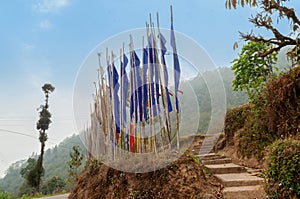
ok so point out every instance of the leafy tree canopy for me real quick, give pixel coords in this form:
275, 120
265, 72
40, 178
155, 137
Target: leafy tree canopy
252, 71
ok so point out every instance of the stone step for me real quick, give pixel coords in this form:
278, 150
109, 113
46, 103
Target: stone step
225, 168
239, 179
217, 161
209, 156
244, 192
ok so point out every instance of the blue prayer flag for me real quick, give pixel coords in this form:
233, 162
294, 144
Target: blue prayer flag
163, 51
176, 65
136, 89
124, 89
145, 87
116, 98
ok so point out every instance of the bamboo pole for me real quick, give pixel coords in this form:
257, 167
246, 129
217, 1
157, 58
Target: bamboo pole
133, 91
111, 107
144, 82
105, 107
121, 98
177, 111
156, 68
139, 106
163, 88
125, 94
114, 123
149, 80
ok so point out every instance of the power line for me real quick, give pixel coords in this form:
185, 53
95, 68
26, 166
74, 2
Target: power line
27, 135
15, 132
31, 136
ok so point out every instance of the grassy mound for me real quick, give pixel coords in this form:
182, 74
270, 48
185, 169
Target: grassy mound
282, 169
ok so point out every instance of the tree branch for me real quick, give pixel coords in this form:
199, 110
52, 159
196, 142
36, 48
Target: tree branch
275, 5
261, 21
279, 44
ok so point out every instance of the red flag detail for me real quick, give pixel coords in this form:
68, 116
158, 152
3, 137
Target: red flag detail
117, 137
131, 141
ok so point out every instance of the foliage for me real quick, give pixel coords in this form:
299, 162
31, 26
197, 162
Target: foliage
42, 125
282, 96
282, 169
251, 72
274, 115
235, 119
29, 173
271, 13
54, 161
53, 184
13, 179
5, 195
233, 3
93, 166
75, 162
25, 190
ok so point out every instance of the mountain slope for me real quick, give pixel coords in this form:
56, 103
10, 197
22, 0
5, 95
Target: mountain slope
54, 164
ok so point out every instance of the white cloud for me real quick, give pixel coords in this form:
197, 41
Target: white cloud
47, 6
45, 25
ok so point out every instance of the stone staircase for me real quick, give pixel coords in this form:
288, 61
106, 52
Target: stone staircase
239, 182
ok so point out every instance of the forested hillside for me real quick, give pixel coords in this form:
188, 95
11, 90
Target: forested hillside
199, 85
54, 165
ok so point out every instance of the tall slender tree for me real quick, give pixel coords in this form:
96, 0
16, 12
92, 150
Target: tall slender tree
43, 125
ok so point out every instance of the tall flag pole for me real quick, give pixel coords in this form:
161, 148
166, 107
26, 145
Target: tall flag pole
144, 97
164, 83
134, 105
151, 100
121, 99
176, 75
124, 91
155, 68
160, 84
116, 100
139, 98
111, 112
104, 95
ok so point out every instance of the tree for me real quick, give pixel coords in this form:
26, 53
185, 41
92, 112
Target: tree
30, 174
272, 12
53, 184
75, 162
43, 125
252, 71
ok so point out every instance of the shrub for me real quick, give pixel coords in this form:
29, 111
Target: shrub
53, 184
282, 169
5, 195
234, 120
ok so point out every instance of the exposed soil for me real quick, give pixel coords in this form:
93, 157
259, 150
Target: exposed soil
184, 178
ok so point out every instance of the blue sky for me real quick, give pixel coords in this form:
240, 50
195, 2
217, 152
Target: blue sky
47, 41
